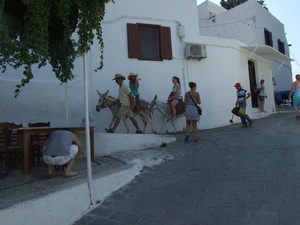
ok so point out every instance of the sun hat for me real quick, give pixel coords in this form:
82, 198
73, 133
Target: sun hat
237, 84
132, 74
118, 75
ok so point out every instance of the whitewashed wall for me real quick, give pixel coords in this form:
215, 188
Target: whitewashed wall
246, 23
44, 99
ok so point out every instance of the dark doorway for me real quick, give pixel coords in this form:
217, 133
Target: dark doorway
252, 79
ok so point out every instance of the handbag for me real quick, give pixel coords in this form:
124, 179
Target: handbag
198, 107
238, 111
171, 95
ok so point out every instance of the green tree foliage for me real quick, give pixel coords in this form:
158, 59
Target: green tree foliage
229, 4
40, 32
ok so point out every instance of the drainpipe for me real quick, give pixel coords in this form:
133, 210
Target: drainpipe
181, 35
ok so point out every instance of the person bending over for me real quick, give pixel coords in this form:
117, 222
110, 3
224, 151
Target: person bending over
62, 147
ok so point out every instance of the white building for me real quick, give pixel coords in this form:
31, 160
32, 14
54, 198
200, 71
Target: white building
251, 24
173, 24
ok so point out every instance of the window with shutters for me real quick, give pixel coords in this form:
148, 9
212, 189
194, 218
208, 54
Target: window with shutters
281, 47
268, 38
149, 42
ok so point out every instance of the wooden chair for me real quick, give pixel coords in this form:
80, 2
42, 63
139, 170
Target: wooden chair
2, 149
37, 141
14, 153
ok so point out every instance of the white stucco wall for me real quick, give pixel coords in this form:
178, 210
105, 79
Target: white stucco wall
246, 22
44, 99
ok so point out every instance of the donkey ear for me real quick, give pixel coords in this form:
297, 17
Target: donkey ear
106, 93
155, 97
98, 92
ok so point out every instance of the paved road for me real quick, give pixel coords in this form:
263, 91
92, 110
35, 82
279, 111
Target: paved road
232, 176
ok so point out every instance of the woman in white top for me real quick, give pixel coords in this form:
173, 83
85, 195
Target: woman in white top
175, 96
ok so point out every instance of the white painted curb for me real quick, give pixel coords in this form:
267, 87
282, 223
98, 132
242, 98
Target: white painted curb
73, 201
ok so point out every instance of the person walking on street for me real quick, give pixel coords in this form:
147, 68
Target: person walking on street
242, 96
125, 98
191, 98
262, 95
274, 90
295, 92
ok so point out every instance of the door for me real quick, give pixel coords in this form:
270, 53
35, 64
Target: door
252, 79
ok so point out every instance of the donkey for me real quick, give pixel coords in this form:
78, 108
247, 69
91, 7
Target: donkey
143, 110
165, 111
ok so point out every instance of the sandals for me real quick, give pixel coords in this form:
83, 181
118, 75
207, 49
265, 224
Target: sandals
109, 130
73, 174
186, 138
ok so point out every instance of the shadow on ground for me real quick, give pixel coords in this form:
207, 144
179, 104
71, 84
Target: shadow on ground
16, 186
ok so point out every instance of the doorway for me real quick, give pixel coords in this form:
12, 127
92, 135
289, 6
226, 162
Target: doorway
252, 79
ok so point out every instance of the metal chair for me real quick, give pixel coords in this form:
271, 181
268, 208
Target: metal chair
14, 153
37, 141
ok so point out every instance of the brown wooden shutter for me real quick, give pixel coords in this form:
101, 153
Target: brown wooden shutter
133, 43
165, 43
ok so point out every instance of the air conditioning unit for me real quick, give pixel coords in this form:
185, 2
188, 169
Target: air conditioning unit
195, 51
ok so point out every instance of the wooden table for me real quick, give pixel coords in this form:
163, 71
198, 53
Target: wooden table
27, 131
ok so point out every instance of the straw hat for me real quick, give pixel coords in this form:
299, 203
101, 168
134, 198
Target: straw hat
118, 75
132, 74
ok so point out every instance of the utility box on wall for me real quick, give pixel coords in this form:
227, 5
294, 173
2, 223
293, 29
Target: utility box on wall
195, 51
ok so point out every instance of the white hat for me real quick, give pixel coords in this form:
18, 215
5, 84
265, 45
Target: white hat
118, 75
132, 74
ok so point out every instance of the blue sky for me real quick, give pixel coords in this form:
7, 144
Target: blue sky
287, 12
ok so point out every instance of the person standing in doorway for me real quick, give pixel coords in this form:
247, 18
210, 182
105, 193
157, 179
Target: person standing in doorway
191, 98
262, 95
126, 100
242, 96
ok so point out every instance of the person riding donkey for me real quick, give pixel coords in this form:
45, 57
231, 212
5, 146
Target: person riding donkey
134, 86
175, 96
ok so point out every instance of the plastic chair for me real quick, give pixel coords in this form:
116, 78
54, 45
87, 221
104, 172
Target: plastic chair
37, 141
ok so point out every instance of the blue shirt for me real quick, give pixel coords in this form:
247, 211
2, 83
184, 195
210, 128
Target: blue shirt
133, 90
59, 143
297, 90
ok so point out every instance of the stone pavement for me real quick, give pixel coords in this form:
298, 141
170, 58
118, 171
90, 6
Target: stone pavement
231, 176
16, 187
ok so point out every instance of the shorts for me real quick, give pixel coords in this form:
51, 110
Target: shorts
124, 112
261, 98
61, 160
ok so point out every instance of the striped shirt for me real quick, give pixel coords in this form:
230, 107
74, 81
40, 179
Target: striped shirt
241, 96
